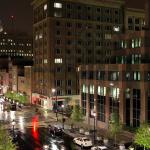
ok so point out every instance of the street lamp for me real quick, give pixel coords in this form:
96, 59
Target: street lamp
94, 115
13, 125
62, 106
45, 147
55, 92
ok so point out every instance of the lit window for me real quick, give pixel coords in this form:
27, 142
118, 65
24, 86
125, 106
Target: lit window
107, 36
101, 91
133, 43
57, 5
45, 7
116, 28
40, 36
91, 89
139, 42
58, 60
45, 61
136, 76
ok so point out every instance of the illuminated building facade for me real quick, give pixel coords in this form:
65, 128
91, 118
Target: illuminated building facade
16, 45
123, 85
69, 33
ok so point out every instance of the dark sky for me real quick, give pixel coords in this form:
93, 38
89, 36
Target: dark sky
22, 11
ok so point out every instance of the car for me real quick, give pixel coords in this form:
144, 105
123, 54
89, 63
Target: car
99, 148
83, 141
54, 130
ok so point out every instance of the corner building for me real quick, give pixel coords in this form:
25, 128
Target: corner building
122, 86
69, 33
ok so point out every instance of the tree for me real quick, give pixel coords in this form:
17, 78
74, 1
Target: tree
114, 125
5, 140
77, 115
142, 136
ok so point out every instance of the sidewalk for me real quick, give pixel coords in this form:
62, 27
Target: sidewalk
123, 137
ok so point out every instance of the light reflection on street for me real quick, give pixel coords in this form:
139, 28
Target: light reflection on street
30, 125
12, 115
5, 115
54, 146
21, 124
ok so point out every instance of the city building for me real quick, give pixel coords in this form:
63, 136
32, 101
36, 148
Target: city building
123, 85
15, 45
4, 81
68, 33
25, 83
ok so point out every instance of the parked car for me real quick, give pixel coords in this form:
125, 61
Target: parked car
57, 131
83, 141
99, 148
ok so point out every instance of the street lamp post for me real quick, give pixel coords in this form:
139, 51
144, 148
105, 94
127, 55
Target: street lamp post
62, 116
94, 138
13, 125
55, 92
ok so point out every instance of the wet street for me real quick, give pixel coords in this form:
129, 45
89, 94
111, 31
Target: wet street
32, 131
35, 140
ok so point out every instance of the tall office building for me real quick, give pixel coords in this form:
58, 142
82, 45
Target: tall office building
123, 85
68, 33
16, 45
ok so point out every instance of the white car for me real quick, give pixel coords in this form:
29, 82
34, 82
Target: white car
83, 141
99, 148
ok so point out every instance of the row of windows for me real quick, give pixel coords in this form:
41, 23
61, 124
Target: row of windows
71, 6
123, 44
114, 106
81, 25
59, 83
59, 92
130, 59
15, 54
73, 10
105, 18
83, 43
115, 75
58, 69
13, 44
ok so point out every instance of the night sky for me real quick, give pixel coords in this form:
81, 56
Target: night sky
22, 11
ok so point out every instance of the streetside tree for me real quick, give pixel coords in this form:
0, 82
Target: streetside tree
5, 140
114, 125
142, 136
77, 115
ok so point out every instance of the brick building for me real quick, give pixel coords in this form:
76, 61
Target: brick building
123, 85
68, 33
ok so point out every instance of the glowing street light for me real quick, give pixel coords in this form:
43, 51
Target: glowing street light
55, 92
62, 106
45, 147
94, 115
13, 125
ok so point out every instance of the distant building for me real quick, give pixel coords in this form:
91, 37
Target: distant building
25, 84
16, 45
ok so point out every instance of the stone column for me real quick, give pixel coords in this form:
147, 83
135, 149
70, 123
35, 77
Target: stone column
122, 106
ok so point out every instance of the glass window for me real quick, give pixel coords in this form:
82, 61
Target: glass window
45, 7
101, 91
133, 43
91, 89
57, 14
57, 5
136, 76
58, 60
